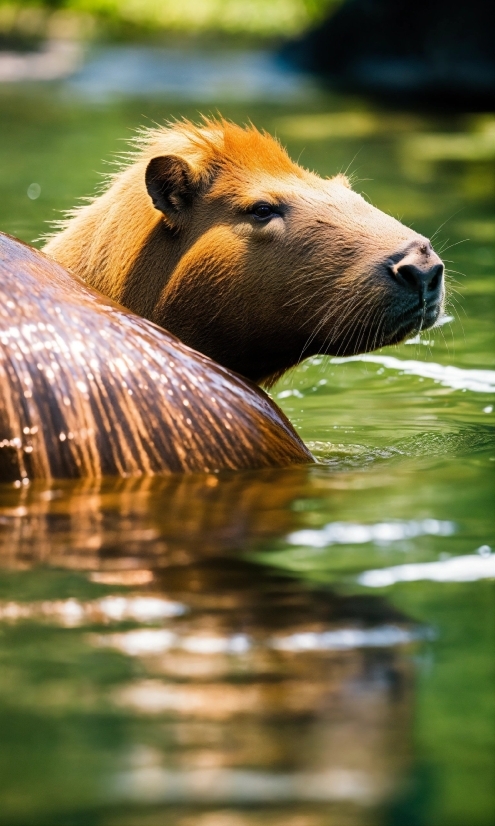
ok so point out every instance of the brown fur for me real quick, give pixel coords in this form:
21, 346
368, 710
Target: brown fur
89, 389
254, 296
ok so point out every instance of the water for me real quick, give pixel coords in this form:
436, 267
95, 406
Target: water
306, 647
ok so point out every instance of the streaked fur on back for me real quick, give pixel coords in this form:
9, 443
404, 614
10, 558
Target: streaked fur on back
89, 390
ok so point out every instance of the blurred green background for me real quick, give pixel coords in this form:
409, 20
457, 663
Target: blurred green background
278, 18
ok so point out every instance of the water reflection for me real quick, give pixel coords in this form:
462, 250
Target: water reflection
229, 685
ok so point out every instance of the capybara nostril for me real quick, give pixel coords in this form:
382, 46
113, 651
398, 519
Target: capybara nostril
423, 276
436, 279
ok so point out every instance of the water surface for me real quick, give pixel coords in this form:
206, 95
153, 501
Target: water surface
306, 647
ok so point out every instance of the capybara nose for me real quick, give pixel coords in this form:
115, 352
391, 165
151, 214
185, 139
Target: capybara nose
421, 271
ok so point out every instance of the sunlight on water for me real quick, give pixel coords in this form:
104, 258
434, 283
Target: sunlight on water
244, 787
457, 569
340, 533
138, 643
478, 381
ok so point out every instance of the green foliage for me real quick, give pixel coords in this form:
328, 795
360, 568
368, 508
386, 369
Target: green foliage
252, 17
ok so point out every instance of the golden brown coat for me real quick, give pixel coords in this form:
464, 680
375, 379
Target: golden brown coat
182, 236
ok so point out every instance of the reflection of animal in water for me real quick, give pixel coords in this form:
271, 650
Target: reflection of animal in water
295, 694
216, 235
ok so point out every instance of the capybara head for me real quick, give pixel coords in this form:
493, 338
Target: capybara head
214, 233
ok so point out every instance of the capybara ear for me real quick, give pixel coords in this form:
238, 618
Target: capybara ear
170, 185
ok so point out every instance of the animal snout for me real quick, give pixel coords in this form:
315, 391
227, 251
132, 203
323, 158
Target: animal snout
421, 271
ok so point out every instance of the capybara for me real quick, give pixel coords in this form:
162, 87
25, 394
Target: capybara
213, 233
88, 389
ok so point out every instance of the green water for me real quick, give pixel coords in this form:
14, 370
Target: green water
214, 651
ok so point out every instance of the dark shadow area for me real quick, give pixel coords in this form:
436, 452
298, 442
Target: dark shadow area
432, 53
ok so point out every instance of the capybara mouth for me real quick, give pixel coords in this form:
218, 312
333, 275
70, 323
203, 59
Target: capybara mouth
412, 323
399, 326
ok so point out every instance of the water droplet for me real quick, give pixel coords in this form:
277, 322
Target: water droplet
33, 191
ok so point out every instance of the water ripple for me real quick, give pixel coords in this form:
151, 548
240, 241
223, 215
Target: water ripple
458, 378
381, 533
467, 568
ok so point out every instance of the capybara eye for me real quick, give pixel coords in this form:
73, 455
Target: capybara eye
263, 211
